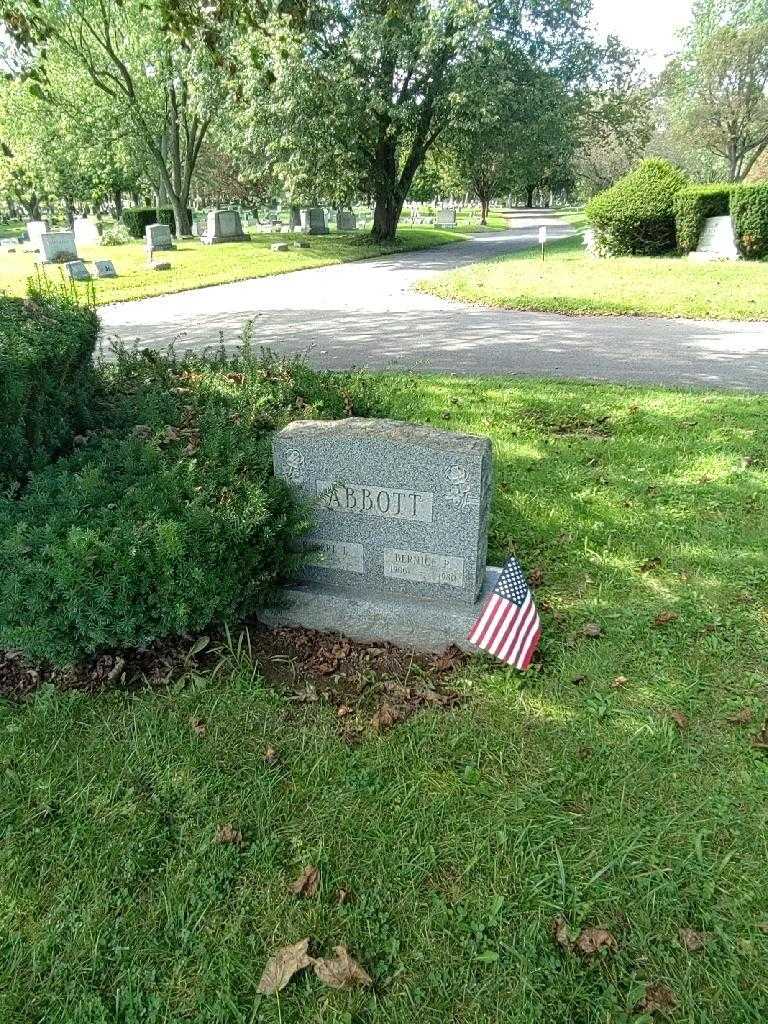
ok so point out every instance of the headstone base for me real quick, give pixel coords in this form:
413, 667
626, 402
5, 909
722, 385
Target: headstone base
418, 623
213, 240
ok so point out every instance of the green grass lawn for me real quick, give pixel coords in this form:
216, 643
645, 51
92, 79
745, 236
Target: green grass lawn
571, 281
461, 835
194, 265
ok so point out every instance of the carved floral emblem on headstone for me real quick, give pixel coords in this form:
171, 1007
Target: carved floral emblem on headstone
458, 487
294, 466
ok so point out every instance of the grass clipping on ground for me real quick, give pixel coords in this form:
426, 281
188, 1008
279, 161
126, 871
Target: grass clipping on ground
585, 842
569, 280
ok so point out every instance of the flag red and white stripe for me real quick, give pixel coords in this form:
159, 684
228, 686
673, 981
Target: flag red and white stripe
508, 626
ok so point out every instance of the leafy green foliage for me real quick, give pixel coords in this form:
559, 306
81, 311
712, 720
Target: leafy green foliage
635, 217
46, 377
168, 518
749, 209
692, 207
136, 219
118, 234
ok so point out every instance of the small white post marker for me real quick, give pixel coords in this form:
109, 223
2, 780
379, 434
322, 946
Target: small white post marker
542, 239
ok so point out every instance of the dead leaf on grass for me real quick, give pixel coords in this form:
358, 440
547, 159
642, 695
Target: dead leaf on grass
664, 617
228, 834
592, 629
560, 933
341, 971
271, 757
536, 577
743, 717
343, 896
651, 564
760, 741
343, 710
693, 940
283, 965
619, 681
307, 882
679, 719
198, 725
385, 718
657, 999
592, 940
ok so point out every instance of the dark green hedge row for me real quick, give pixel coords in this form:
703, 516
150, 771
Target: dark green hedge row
636, 216
168, 518
692, 207
136, 219
749, 210
46, 378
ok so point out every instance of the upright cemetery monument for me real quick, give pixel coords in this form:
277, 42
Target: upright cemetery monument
58, 247
36, 228
400, 532
87, 231
717, 241
313, 221
158, 238
223, 226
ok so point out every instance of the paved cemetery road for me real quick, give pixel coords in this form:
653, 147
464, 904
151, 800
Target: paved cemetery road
366, 315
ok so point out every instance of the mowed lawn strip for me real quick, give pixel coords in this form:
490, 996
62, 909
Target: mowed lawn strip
608, 786
570, 281
194, 265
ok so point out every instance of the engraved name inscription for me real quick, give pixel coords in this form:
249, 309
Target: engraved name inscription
337, 555
367, 500
423, 567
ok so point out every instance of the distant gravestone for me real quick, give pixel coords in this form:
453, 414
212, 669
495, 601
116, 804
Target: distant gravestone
223, 226
86, 231
77, 270
717, 241
400, 532
35, 228
313, 221
198, 227
58, 246
445, 218
346, 221
279, 247
105, 268
158, 238
9, 244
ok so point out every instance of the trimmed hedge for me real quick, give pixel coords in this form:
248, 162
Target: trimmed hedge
636, 217
46, 377
749, 210
692, 207
136, 219
169, 517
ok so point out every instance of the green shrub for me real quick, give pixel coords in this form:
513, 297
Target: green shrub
118, 234
168, 519
749, 209
635, 217
46, 377
136, 219
692, 207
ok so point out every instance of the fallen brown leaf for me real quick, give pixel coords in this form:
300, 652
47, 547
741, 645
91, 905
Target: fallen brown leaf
227, 834
666, 616
343, 711
343, 896
271, 757
619, 681
592, 940
657, 999
743, 717
536, 577
592, 629
693, 940
679, 719
760, 741
651, 564
283, 965
307, 882
198, 725
384, 718
560, 933
341, 971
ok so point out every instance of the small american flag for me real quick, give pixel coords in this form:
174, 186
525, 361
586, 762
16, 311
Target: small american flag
509, 625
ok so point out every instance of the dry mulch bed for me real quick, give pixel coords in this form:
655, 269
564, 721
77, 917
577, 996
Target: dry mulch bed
369, 685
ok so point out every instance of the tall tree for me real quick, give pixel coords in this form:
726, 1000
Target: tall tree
716, 91
363, 91
166, 93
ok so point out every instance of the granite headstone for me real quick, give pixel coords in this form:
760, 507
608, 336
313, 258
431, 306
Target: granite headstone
35, 228
77, 270
158, 238
717, 241
398, 547
105, 268
58, 246
313, 221
346, 221
223, 226
86, 231
446, 218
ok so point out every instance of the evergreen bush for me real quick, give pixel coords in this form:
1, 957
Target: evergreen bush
136, 219
749, 209
692, 207
635, 217
46, 376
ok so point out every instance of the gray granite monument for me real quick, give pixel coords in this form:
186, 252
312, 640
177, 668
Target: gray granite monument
35, 228
223, 226
445, 218
58, 247
87, 231
77, 270
400, 532
105, 268
313, 221
158, 238
346, 221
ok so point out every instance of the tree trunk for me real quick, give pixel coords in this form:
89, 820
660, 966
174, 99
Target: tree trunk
294, 217
180, 215
69, 206
386, 216
387, 197
529, 196
117, 197
484, 204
